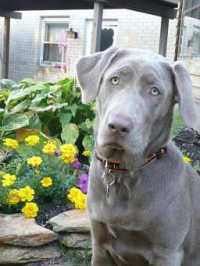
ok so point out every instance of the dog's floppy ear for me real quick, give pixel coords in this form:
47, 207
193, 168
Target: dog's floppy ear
183, 88
90, 70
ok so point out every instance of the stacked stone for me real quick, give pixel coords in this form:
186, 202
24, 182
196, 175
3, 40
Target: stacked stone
73, 228
22, 241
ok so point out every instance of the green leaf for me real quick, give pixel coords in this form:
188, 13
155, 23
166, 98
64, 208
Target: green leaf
73, 109
4, 94
88, 142
52, 108
70, 133
39, 98
27, 83
65, 118
20, 107
13, 122
34, 122
15, 95
89, 123
8, 84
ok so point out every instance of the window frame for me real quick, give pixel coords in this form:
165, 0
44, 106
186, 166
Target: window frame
44, 21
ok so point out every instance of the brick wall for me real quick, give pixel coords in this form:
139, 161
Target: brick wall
134, 30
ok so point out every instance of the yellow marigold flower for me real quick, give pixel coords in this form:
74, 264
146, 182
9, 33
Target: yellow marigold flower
46, 181
73, 193
67, 158
81, 202
11, 143
32, 140
8, 180
77, 197
34, 161
13, 197
186, 159
30, 210
49, 148
68, 148
26, 193
68, 153
86, 153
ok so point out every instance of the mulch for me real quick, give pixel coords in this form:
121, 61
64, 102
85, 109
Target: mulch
188, 140
49, 210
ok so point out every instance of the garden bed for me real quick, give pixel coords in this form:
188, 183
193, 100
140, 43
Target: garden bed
46, 140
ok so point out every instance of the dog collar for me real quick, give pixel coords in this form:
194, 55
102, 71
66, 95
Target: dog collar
155, 156
114, 166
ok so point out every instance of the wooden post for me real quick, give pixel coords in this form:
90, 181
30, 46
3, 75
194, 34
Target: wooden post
6, 45
97, 26
163, 36
179, 32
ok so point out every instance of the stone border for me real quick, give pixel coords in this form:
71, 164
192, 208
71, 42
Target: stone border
23, 241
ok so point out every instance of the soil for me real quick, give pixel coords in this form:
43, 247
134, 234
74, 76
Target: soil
49, 210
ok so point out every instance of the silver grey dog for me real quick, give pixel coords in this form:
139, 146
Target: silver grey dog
143, 200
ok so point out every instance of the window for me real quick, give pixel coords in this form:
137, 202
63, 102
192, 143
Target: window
109, 31
54, 40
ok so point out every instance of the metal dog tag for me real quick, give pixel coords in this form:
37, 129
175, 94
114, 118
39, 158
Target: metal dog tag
108, 179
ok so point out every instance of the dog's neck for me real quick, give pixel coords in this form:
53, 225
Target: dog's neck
114, 169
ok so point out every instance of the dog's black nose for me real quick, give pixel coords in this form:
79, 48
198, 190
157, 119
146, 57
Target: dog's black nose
119, 124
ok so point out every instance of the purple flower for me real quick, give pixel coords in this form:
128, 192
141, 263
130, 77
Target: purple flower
83, 183
76, 164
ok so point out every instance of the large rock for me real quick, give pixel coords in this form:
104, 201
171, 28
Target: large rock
71, 221
18, 255
76, 240
19, 231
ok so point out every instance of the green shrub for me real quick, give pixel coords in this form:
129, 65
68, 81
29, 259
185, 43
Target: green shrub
51, 107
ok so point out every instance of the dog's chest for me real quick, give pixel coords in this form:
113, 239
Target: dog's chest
120, 208
129, 246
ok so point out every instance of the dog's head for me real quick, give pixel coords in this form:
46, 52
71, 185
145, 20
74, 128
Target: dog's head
136, 91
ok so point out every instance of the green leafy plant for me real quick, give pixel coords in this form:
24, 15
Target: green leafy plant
52, 107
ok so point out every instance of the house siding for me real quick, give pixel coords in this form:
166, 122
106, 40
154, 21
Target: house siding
135, 29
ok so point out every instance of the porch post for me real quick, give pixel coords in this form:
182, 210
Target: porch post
179, 31
163, 36
6, 45
97, 26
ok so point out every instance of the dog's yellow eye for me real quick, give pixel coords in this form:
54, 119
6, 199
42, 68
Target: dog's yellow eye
155, 91
115, 80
